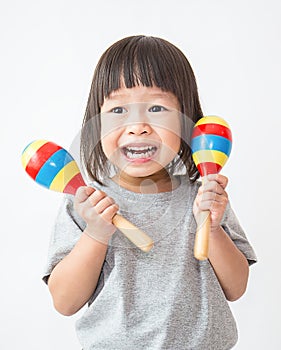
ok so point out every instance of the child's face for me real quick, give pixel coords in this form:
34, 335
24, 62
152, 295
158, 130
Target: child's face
140, 129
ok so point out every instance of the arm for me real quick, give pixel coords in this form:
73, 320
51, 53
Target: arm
74, 279
229, 264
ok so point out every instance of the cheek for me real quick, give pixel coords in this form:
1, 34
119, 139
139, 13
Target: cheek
176, 136
174, 143
108, 143
178, 144
171, 140
172, 133
110, 146
109, 138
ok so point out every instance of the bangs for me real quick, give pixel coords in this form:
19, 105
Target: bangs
139, 61
136, 61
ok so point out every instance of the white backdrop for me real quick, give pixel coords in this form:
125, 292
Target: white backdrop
48, 53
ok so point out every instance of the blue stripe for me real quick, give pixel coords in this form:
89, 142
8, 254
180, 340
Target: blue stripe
52, 166
27, 147
211, 142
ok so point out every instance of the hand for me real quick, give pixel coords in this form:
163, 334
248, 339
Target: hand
213, 197
97, 210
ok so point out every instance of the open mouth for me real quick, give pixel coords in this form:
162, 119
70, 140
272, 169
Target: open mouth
138, 152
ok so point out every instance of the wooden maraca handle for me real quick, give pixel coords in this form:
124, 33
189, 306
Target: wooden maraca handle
134, 234
51, 166
201, 245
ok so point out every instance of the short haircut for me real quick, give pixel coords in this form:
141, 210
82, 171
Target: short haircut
148, 61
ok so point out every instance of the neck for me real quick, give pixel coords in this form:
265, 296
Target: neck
159, 182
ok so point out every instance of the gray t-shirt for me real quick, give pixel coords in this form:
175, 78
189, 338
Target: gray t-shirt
164, 299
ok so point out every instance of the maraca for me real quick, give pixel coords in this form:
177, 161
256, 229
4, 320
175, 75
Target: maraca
211, 146
53, 167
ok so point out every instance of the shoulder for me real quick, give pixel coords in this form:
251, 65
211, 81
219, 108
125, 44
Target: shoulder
185, 181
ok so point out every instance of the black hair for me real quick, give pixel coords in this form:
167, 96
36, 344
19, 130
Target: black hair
139, 60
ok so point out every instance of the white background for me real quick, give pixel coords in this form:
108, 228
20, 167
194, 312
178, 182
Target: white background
48, 53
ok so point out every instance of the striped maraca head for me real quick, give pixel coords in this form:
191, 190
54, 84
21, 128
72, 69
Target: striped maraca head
211, 144
51, 166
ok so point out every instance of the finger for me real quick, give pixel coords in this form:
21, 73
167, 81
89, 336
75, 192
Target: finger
220, 179
208, 196
213, 195
211, 186
90, 190
103, 204
217, 194
210, 205
96, 197
109, 212
83, 193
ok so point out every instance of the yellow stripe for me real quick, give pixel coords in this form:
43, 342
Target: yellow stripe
30, 151
212, 119
210, 156
64, 176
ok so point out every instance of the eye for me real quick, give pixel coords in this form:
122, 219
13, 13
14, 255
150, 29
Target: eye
118, 110
157, 109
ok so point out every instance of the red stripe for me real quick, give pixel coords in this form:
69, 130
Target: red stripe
40, 157
212, 128
73, 184
208, 168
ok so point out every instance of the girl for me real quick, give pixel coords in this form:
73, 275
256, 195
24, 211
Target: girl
134, 145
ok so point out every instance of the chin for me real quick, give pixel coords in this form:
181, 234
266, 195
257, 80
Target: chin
140, 171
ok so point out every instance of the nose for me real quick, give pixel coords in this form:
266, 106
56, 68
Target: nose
138, 128
137, 124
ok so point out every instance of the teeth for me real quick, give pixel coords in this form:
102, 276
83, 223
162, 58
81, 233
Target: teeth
135, 152
136, 149
139, 155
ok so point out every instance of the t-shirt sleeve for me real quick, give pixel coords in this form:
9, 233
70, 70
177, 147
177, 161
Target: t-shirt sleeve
67, 229
233, 228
